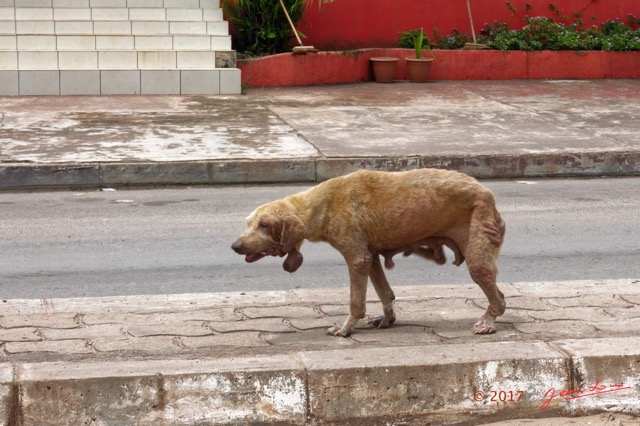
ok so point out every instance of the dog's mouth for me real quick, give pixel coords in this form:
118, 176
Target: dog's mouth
291, 263
254, 257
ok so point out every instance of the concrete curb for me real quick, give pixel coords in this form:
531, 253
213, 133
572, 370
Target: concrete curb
486, 166
443, 383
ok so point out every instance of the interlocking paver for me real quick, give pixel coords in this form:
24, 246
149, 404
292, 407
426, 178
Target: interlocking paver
624, 313
313, 339
66, 320
557, 329
433, 312
337, 309
237, 339
286, 311
304, 324
134, 345
573, 313
457, 333
591, 300
399, 334
631, 298
195, 328
19, 334
521, 303
578, 288
262, 324
59, 347
628, 326
150, 318
114, 331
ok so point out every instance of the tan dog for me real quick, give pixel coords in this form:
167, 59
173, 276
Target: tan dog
367, 214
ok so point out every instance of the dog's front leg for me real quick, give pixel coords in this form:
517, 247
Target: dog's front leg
358, 276
381, 285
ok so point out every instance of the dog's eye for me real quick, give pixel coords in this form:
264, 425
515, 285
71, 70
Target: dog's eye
262, 224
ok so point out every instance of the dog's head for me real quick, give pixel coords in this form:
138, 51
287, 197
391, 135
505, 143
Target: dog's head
273, 229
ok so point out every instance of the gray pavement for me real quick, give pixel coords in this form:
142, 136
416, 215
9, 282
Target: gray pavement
489, 129
562, 348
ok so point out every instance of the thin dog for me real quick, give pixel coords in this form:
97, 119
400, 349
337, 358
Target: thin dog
368, 214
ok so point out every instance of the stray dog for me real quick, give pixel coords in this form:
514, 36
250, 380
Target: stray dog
368, 214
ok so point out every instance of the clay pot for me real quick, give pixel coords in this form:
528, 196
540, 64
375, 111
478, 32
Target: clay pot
384, 69
418, 69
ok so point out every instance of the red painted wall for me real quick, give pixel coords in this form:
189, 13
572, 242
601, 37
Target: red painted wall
351, 24
288, 69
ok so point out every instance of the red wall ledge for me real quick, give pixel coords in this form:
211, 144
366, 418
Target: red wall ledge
287, 69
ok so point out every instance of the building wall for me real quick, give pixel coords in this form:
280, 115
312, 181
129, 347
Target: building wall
351, 24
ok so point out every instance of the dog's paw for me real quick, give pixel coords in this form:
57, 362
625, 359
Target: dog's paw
484, 327
336, 330
381, 321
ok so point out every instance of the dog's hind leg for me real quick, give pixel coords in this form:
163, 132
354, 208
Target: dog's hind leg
481, 253
381, 285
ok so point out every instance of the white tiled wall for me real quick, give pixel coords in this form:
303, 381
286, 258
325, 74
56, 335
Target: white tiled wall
75, 47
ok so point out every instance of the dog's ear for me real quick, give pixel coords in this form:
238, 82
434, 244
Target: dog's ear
289, 231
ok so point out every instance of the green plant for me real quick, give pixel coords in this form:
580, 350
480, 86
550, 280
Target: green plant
416, 40
544, 33
455, 40
617, 37
261, 25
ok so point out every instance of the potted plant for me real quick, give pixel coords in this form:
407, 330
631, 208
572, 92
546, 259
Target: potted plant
418, 68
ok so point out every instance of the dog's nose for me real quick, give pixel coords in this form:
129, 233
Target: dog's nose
236, 246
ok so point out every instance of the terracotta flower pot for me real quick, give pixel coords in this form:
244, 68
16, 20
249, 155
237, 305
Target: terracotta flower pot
384, 69
418, 69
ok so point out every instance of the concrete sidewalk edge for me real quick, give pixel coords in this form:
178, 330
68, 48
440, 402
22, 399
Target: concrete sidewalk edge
444, 383
487, 166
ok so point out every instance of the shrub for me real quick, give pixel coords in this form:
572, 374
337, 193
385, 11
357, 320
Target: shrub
542, 33
407, 39
455, 40
261, 25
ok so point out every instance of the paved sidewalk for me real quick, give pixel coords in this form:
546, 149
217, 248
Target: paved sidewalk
489, 129
260, 357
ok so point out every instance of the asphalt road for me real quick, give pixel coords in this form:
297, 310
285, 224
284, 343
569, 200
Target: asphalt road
102, 243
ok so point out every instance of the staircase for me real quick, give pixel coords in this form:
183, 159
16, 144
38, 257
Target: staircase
113, 47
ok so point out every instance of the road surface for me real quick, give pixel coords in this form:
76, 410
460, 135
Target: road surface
103, 243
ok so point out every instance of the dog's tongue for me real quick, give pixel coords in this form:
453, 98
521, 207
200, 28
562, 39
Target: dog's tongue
293, 261
250, 258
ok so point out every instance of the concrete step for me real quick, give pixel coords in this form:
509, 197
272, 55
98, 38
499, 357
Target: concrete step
219, 81
114, 27
108, 59
113, 42
109, 14
169, 4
